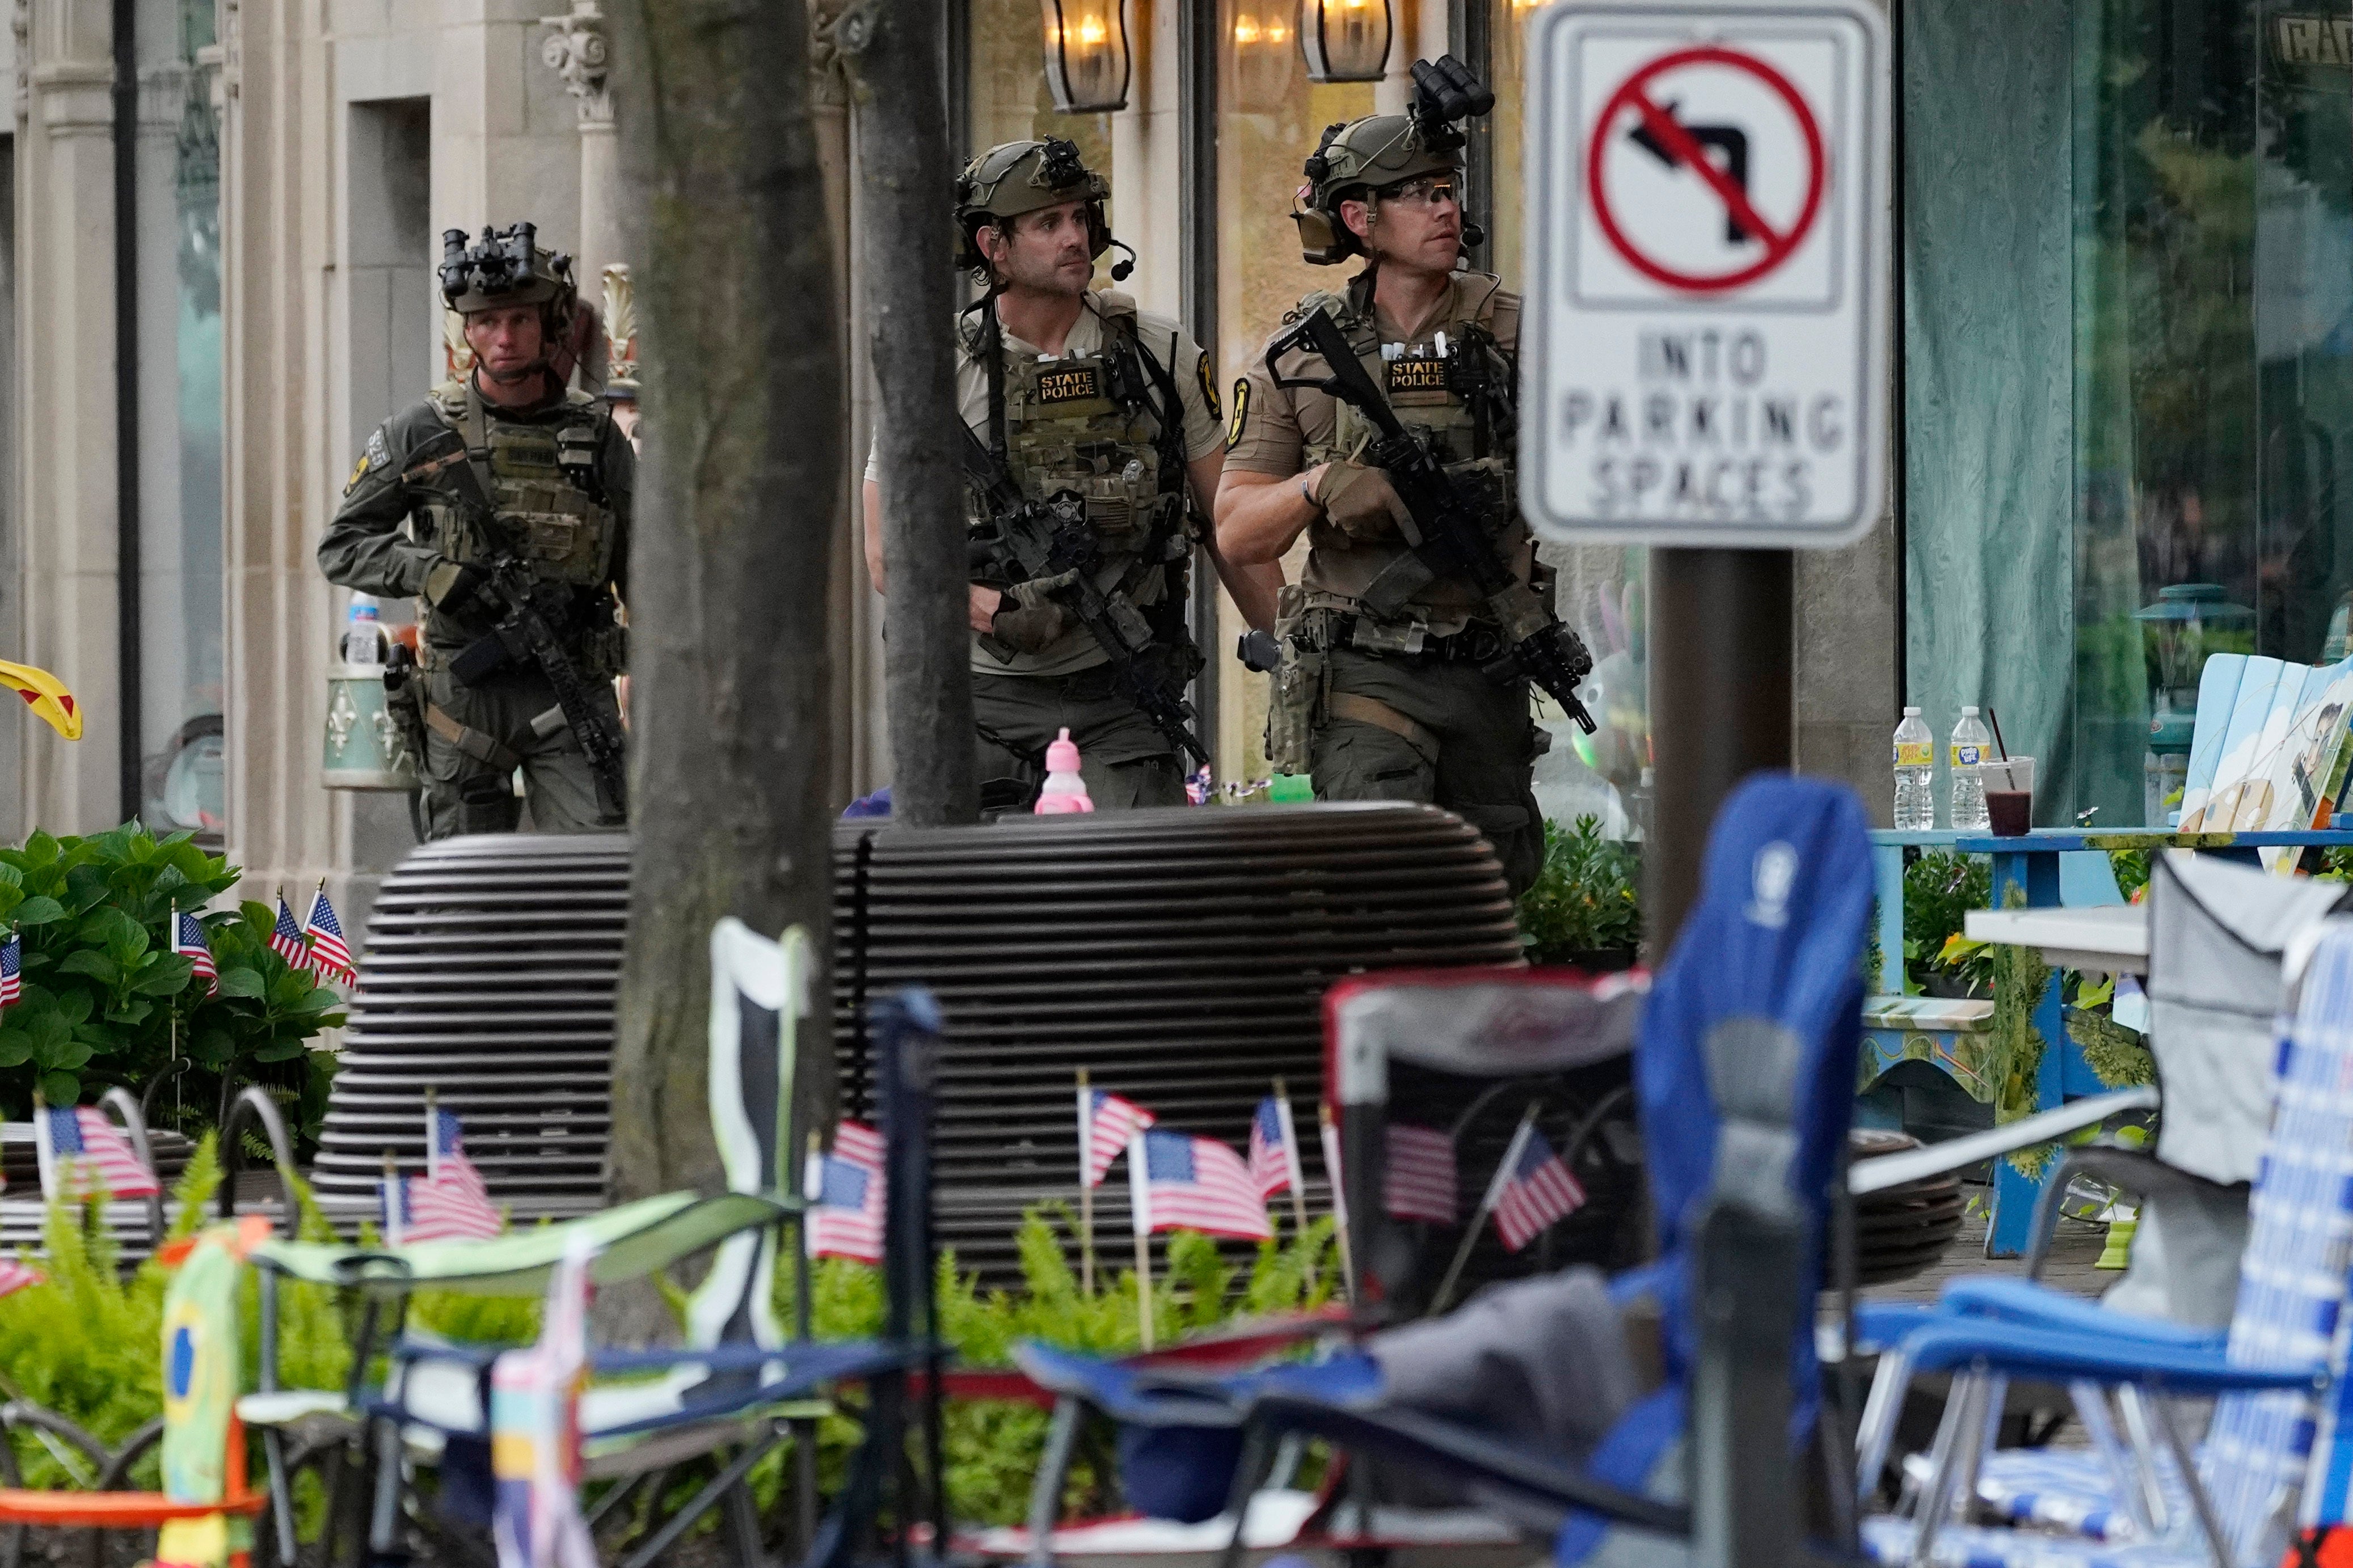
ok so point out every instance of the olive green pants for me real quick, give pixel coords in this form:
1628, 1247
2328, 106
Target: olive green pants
466, 793
1123, 757
1475, 754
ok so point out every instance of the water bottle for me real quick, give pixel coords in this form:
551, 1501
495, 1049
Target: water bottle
1970, 743
1915, 772
363, 639
1064, 791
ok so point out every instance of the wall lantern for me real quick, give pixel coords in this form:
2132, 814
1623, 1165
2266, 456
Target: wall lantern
1266, 53
1346, 40
1087, 62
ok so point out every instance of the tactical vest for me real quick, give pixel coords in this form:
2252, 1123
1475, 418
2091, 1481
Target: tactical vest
1471, 433
1094, 426
544, 484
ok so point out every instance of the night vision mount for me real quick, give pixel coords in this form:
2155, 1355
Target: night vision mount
1444, 94
499, 263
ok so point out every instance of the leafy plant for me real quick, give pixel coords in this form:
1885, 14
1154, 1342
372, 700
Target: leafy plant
107, 1002
1940, 889
1586, 898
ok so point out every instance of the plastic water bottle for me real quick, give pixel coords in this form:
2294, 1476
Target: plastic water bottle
1064, 790
362, 638
1916, 774
1970, 743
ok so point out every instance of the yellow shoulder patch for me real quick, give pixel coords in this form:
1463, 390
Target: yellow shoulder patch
1209, 384
359, 471
1242, 412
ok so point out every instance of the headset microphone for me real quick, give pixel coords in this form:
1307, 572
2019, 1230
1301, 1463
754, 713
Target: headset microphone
1119, 270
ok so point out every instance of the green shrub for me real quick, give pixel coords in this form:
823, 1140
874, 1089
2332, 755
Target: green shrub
107, 1002
1940, 889
1586, 898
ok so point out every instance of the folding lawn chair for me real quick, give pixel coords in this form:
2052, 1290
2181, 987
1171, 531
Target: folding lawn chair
433, 1394
2229, 1506
205, 1511
1745, 1073
2221, 936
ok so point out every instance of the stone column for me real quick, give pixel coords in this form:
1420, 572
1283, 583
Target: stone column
577, 50
65, 379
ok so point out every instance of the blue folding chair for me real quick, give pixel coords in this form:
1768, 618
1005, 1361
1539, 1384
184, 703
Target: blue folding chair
2231, 1504
1746, 1077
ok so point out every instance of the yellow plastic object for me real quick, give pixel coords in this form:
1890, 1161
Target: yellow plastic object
46, 694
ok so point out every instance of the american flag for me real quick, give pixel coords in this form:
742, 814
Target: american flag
1198, 785
1270, 1147
286, 937
331, 956
188, 938
450, 1200
1193, 1184
1105, 1123
1419, 1180
84, 1155
16, 1274
11, 969
847, 1197
1533, 1188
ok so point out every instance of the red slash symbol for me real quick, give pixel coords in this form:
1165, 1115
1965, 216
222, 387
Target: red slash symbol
1679, 145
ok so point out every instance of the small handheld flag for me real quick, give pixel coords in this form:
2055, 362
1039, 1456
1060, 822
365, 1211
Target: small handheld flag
451, 1202
1196, 1184
286, 937
331, 956
1106, 1122
1532, 1189
847, 1197
11, 969
188, 939
84, 1155
1270, 1150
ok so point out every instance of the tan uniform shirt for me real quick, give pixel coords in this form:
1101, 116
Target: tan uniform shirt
1286, 431
1165, 342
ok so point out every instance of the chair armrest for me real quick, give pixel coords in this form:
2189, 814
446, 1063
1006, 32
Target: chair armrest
1895, 1169
2014, 1301
1992, 1345
1469, 1455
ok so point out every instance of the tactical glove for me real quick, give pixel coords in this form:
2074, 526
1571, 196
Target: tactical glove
1360, 501
1028, 620
453, 587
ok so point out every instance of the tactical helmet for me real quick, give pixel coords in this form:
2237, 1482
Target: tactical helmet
1020, 177
506, 268
1358, 157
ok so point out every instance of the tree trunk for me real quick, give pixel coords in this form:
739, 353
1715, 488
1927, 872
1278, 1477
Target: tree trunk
737, 507
892, 48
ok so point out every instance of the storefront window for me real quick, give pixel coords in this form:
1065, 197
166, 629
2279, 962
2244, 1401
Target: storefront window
2214, 223
1601, 589
1270, 117
1010, 100
181, 608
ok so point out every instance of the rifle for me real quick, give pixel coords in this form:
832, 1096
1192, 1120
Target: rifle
1447, 537
529, 611
1052, 539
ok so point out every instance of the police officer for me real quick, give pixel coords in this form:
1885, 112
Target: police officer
1395, 708
504, 463
1080, 391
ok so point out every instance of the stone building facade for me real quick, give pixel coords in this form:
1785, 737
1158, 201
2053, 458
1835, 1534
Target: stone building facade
292, 166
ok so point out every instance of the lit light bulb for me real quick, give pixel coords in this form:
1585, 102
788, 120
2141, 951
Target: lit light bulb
1090, 31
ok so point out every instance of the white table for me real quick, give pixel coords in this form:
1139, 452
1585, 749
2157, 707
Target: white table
2112, 939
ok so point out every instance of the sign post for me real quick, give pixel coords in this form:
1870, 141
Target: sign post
1704, 366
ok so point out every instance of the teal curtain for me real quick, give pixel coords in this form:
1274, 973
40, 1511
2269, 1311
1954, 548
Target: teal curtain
1990, 563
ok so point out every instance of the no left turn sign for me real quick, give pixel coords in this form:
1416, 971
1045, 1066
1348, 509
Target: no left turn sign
1705, 358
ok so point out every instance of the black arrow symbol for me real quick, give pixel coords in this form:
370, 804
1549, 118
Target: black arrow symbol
1727, 140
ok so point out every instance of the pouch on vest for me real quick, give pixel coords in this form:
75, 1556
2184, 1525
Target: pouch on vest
1293, 709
